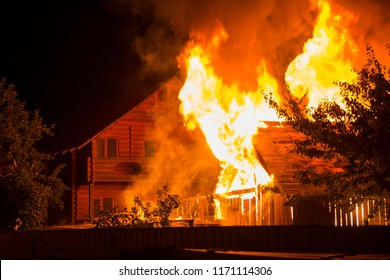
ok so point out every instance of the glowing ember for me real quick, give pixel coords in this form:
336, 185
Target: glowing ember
218, 211
326, 58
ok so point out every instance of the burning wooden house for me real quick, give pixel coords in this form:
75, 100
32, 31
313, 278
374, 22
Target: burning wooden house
217, 144
149, 147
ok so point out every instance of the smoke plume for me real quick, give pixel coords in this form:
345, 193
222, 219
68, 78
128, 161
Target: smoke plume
271, 30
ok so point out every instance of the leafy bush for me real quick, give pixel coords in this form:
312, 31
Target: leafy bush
142, 214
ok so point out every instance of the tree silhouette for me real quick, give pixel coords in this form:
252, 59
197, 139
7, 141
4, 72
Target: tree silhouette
27, 187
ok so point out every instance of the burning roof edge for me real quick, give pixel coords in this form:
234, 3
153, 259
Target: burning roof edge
275, 145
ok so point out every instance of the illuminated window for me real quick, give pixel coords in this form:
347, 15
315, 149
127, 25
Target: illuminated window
107, 147
130, 141
149, 149
96, 205
100, 147
112, 147
106, 203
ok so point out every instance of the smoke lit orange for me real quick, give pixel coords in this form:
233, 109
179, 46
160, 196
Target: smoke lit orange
230, 117
327, 57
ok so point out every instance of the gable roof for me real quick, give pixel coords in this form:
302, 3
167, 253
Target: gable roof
173, 83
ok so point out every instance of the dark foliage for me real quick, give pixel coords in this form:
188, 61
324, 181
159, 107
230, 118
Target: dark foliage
27, 187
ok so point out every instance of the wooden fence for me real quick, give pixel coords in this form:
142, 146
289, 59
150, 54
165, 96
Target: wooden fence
112, 243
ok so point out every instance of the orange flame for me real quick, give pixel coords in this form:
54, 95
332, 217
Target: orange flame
327, 57
228, 117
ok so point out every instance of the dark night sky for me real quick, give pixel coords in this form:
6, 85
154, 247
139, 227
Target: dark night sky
73, 61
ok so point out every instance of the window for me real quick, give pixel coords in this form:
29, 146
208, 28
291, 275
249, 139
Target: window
107, 205
96, 205
130, 142
100, 147
149, 149
107, 147
112, 147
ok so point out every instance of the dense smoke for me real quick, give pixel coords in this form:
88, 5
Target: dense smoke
271, 30
257, 30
